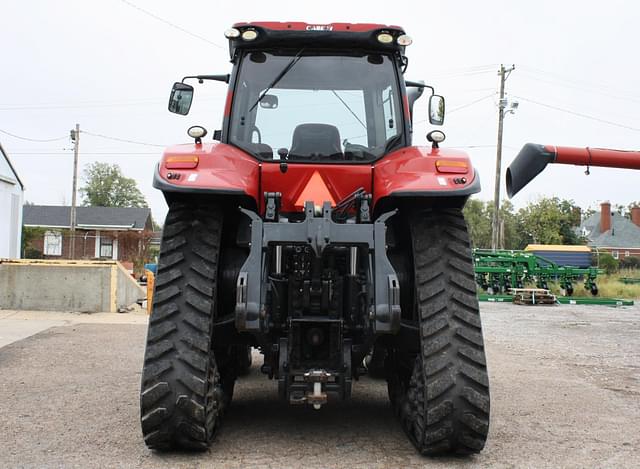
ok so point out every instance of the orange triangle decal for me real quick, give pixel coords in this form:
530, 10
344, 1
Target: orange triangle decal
316, 191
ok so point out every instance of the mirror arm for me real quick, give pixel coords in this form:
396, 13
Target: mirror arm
417, 84
201, 78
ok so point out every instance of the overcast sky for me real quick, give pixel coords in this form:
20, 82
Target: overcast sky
109, 67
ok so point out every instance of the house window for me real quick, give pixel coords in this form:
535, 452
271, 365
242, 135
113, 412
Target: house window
626, 254
106, 247
53, 243
615, 254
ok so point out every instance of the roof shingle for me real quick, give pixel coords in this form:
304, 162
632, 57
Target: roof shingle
57, 215
623, 233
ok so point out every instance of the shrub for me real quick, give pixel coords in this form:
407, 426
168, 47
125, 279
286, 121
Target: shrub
33, 253
631, 262
607, 262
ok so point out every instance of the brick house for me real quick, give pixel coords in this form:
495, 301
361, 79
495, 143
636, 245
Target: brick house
613, 233
117, 233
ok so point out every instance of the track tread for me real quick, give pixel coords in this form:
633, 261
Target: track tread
444, 404
181, 392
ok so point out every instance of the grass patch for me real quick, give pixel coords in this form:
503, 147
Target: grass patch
609, 286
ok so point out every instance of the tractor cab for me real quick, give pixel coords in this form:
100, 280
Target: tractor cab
317, 93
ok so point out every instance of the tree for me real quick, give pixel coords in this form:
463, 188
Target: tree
511, 238
479, 215
548, 221
479, 222
106, 186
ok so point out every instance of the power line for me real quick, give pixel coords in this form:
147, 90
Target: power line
29, 139
118, 139
578, 87
93, 104
579, 114
38, 153
465, 71
471, 103
573, 81
169, 23
463, 106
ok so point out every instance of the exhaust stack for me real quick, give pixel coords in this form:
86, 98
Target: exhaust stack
533, 158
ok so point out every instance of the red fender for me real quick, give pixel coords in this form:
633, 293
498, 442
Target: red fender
208, 168
424, 172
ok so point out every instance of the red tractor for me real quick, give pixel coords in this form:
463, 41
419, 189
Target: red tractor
312, 230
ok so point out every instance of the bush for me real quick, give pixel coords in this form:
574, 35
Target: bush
630, 262
607, 262
33, 253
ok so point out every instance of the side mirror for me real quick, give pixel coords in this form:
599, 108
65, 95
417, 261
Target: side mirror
436, 109
180, 99
269, 101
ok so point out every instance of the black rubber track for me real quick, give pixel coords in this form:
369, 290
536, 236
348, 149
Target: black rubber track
443, 403
181, 393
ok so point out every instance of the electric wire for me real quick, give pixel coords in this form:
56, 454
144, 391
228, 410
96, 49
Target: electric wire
29, 139
527, 74
118, 139
463, 106
169, 23
578, 114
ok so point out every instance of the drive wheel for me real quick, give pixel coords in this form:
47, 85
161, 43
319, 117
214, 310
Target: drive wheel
441, 394
183, 391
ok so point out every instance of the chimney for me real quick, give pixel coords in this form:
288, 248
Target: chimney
635, 215
605, 216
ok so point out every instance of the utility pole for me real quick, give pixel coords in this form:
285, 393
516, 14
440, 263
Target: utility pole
502, 104
75, 138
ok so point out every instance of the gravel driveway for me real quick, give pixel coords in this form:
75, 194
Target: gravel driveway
565, 393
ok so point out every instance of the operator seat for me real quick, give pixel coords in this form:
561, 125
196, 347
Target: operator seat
311, 140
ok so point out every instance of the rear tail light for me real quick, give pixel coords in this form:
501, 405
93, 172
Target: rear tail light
452, 166
181, 162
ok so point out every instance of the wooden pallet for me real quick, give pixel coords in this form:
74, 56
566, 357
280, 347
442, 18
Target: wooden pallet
533, 296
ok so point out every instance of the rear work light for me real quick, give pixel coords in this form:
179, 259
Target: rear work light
181, 162
404, 40
451, 166
385, 38
249, 34
232, 33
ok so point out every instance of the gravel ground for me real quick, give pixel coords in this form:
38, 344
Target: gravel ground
565, 393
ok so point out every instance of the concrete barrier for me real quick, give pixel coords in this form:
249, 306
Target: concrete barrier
49, 285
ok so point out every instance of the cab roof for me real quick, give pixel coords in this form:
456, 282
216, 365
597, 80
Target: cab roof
296, 34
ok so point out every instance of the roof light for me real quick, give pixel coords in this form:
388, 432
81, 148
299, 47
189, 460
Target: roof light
249, 34
404, 40
437, 136
196, 131
181, 162
232, 33
385, 38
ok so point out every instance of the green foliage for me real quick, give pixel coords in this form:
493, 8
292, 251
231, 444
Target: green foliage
479, 216
32, 253
29, 234
631, 262
607, 262
548, 221
479, 221
106, 186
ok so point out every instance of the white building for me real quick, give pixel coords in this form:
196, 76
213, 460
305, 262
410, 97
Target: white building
11, 200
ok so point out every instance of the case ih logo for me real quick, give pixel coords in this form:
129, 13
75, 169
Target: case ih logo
320, 27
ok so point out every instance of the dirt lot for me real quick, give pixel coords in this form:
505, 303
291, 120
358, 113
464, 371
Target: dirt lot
565, 393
